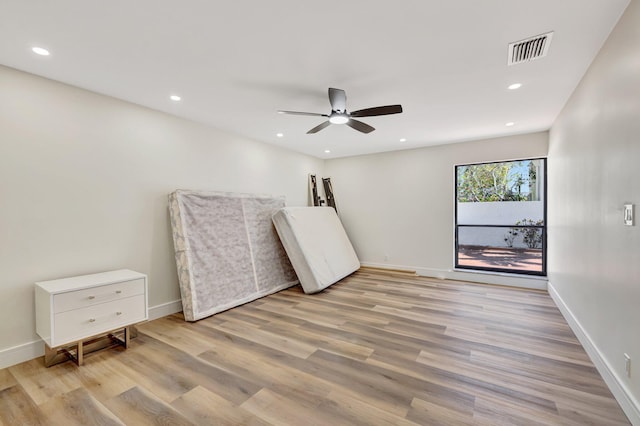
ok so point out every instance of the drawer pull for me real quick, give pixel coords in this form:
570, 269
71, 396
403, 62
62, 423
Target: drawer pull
91, 297
118, 291
118, 313
92, 320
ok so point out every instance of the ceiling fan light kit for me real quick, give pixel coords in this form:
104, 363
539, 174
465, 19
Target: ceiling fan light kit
338, 118
339, 114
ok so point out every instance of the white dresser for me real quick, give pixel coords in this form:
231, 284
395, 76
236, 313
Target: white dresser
76, 311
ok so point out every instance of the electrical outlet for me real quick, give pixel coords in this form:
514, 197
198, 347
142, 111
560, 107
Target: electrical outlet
627, 365
386, 257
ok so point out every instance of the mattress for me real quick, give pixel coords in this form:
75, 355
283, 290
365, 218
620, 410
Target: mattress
227, 250
317, 245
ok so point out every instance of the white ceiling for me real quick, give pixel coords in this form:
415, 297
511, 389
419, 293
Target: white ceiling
235, 63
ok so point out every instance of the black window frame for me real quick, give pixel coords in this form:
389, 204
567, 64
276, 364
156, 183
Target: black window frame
543, 227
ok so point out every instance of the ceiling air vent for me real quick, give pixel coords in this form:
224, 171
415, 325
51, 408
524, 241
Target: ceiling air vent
529, 49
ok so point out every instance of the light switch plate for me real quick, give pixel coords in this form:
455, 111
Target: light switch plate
629, 214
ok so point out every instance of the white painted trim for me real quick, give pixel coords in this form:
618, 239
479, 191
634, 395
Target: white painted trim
35, 349
619, 390
509, 280
165, 309
21, 353
388, 266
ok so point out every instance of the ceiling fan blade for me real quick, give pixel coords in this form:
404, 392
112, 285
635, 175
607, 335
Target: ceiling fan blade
338, 99
381, 110
319, 127
360, 126
313, 114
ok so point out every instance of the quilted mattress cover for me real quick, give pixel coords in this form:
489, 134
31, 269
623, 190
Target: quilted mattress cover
317, 245
227, 250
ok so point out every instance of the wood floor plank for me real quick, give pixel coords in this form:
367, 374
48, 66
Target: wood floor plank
267, 338
383, 387
430, 413
562, 354
337, 346
182, 337
6, 379
376, 348
105, 377
583, 378
203, 407
303, 315
139, 407
498, 412
446, 319
43, 383
272, 317
17, 408
78, 407
279, 410
181, 372
269, 368
338, 311
472, 384
592, 414
347, 408
290, 376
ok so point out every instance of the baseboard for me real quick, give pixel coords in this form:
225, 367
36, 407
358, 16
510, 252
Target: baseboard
509, 280
165, 309
35, 349
21, 353
629, 405
390, 268
386, 266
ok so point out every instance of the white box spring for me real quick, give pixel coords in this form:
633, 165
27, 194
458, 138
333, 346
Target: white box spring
317, 245
227, 250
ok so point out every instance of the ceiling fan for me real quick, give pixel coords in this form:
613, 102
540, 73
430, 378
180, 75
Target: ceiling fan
339, 114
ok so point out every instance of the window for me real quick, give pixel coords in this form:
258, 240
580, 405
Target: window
501, 216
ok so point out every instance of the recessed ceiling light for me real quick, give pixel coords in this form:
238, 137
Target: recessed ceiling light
326, 151
175, 98
40, 51
403, 139
515, 86
509, 124
279, 135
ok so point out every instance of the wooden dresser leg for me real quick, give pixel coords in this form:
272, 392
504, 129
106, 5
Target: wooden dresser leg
80, 353
49, 355
127, 337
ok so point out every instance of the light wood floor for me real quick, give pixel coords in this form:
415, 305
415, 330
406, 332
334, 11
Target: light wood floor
376, 348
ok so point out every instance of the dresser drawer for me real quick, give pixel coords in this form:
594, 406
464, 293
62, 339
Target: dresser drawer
99, 318
63, 302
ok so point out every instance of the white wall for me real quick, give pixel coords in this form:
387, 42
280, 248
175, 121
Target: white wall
398, 207
594, 158
84, 181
